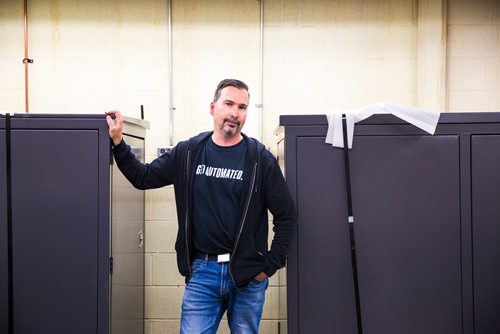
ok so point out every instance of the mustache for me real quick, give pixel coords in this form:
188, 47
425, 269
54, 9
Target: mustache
232, 120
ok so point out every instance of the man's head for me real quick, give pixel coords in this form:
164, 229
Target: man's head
229, 109
229, 82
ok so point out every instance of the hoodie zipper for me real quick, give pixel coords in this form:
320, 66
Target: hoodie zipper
243, 218
188, 162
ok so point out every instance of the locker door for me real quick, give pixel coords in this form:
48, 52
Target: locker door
486, 232
127, 308
407, 199
407, 223
55, 231
326, 298
4, 267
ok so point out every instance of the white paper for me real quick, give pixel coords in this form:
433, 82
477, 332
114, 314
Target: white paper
424, 119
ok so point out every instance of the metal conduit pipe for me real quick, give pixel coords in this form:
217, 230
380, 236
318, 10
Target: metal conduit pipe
170, 75
260, 104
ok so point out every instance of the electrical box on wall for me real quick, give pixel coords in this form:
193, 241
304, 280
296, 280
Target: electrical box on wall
163, 149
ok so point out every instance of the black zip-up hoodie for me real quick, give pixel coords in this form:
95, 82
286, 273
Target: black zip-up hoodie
264, 190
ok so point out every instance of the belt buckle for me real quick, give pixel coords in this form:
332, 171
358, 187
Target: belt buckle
223, 257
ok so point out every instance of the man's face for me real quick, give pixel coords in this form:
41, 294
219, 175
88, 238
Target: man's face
230, 111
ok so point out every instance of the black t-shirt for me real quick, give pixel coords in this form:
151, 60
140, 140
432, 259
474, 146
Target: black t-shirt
217, 190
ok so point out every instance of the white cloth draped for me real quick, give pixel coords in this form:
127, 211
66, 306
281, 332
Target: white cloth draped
421, 118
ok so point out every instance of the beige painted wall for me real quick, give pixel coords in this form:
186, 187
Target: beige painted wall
473, 71
319, 56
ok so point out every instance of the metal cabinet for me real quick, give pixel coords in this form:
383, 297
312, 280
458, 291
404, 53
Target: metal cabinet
127, 244
68, 268
485, 154
4, 247
427, 224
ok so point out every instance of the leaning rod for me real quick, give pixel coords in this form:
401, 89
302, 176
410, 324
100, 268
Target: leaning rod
26, 60
350, 220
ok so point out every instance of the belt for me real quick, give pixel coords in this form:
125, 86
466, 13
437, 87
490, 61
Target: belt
213, 257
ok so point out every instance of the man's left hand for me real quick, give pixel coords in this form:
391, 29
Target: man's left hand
261, 276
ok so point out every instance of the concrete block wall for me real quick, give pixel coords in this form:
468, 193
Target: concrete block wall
319, 56
473, 55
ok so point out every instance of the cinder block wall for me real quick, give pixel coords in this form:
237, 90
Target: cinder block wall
473, 71
319, 56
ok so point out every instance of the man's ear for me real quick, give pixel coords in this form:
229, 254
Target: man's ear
212, 105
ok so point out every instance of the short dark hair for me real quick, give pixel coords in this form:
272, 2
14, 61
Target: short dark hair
229, 82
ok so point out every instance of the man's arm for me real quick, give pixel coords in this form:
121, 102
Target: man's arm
142, 176
280, 203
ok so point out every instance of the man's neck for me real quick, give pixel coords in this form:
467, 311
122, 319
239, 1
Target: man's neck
226, 141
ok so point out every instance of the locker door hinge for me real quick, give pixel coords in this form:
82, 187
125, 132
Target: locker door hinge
111, 265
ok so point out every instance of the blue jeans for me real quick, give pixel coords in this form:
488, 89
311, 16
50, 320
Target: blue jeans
210, 292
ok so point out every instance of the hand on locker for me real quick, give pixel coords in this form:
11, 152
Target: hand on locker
115, 123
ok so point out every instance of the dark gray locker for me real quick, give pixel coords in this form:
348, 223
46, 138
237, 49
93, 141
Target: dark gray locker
486, 232
426, 251
4, 273
56, 231
62, 248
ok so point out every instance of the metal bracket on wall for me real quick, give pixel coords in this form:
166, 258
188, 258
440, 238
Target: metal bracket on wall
27, 60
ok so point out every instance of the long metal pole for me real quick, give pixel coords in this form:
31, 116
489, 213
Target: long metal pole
350, 220
171, 107
260, 104
26, 60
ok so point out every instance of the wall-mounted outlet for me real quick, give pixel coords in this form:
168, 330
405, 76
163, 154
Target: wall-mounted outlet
163, 149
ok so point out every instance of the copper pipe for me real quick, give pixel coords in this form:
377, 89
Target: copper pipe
26, 59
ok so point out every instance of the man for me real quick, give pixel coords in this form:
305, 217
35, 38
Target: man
224, 183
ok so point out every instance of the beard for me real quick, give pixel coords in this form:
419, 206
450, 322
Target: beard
228, 130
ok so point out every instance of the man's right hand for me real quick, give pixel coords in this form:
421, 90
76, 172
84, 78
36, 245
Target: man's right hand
115, 126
